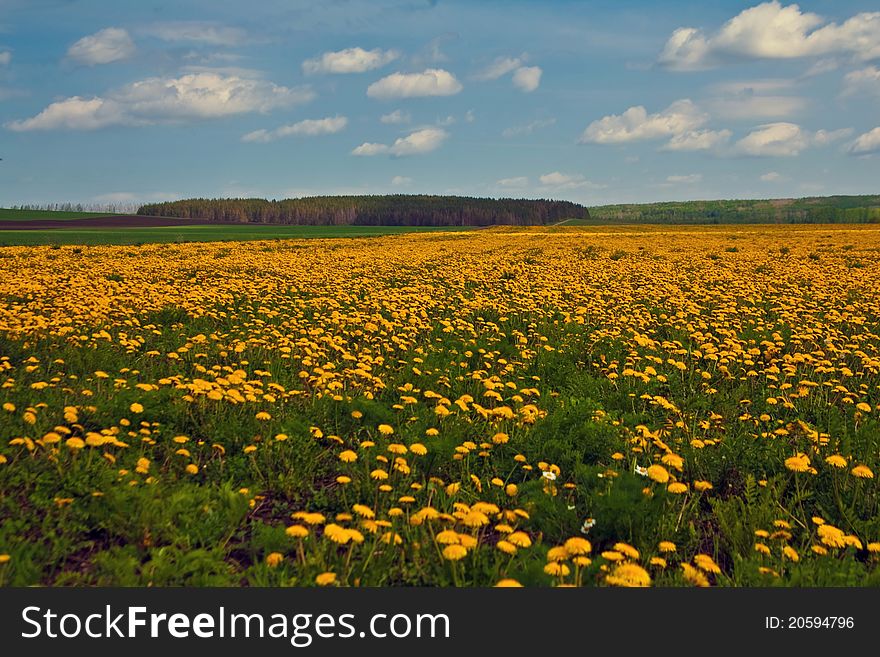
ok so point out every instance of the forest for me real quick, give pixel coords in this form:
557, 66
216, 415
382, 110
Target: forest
378, 210
811, 210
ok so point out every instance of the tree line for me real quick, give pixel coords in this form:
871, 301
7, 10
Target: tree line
373, 210
864, 209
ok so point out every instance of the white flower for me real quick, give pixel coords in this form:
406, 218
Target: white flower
589, 523
551, 476
641, 471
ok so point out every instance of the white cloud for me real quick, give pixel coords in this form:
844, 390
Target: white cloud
401, 181
108, 45
697, 140
864, 81
74, 113
499, 67
197, 32
770, 176
689, 179
430, 82
469, 116
527, 78
783, 140
517, 182
528, 128
415, 143
305, 128
558, 181
748, 106
5, 58
349, 60
772, 31
155, 100
866, 143
397, 116
635, 124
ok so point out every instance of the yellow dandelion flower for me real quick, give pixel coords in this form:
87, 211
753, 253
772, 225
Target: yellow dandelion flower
325, 579
508, 583
454, 552
862, 472
628, 574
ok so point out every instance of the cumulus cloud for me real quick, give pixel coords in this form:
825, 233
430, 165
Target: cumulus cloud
517, 182
305, 128
866, 143
156, 100
864, 81
689, 179
197, 32
783, 140
415, 143
697, 140
349, 60
5, 58
107, 45
395, 117
772, 31
500, 67
770, 176
528, 128
527, 78
401, 181
635, 124
559, 181
430, 82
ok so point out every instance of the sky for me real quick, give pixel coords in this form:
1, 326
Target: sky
103, 101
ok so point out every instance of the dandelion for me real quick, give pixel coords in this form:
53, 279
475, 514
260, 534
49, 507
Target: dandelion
297, 531
862, 472
274, 559
677, 488
836, 461
557, 569
508, 583
192, 469
386, 429
706, 563
325, 579
630, 575
799, 463
136, 408
693, 576
520, 539
454, 552
657, 473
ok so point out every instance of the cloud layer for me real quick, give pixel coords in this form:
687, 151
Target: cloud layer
158, 100
305, 128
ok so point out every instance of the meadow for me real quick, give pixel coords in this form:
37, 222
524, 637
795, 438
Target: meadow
195, 233
654, 406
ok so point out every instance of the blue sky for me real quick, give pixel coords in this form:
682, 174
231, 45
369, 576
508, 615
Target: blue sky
598, 102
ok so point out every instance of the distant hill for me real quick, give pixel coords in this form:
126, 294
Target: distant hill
387, 210
810, 210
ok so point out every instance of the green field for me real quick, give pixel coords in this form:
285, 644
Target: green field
219, 233
7, 214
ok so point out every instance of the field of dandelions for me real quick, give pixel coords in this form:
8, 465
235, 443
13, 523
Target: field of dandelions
588, 407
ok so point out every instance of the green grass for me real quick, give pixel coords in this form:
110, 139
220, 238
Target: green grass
7, 214
163, 234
